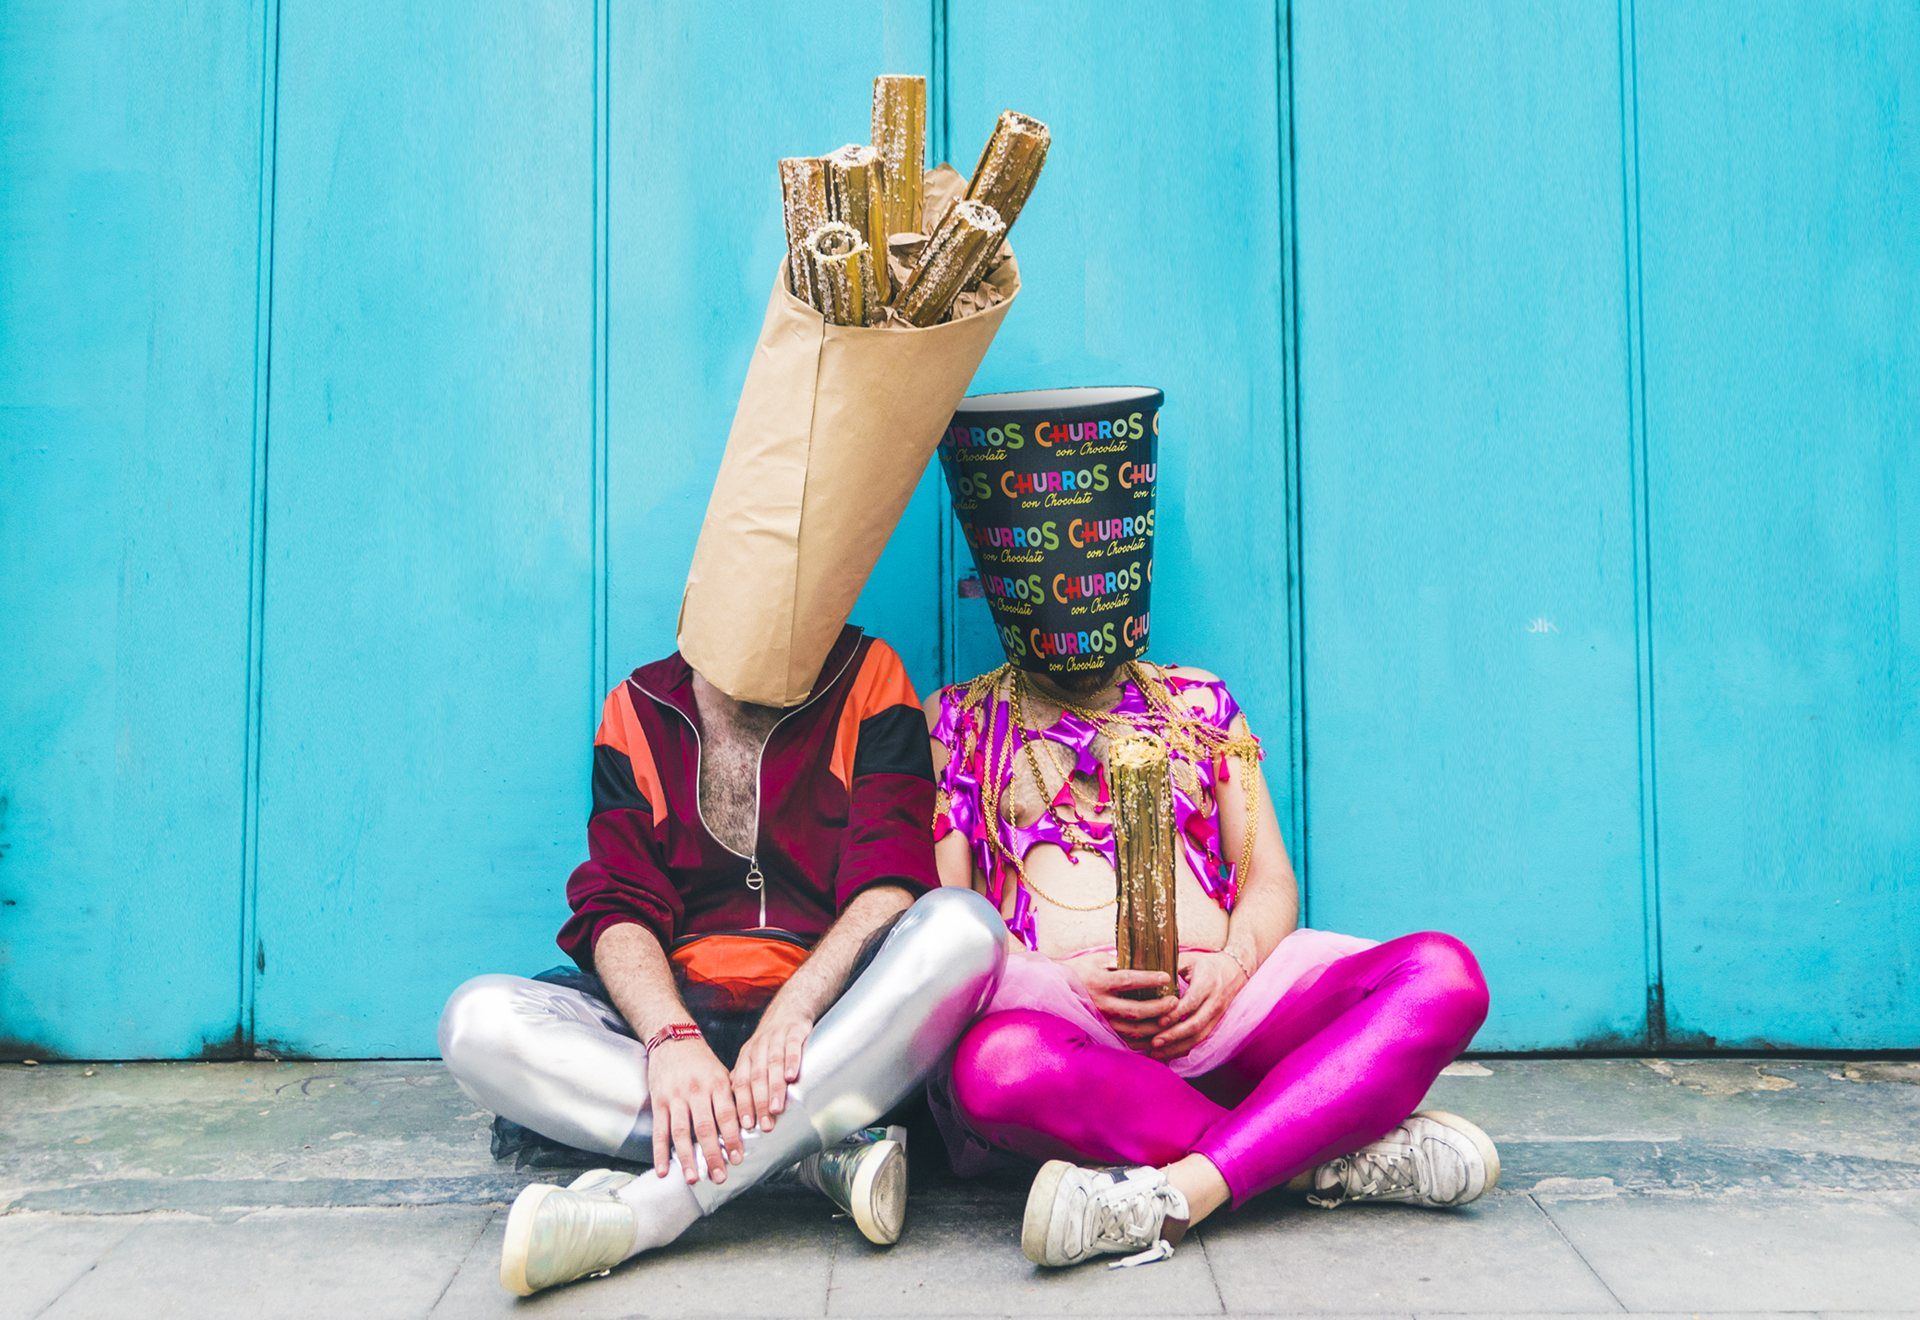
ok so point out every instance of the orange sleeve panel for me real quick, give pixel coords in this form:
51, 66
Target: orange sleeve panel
620, 729
881, 683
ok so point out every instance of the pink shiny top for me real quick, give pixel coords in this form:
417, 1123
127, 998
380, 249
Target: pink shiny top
1196, 814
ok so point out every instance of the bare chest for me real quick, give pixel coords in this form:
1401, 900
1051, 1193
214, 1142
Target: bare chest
1044, 779
730, 751
1035, 783
1074, 896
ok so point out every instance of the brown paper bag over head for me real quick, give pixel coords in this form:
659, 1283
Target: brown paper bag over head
834, 428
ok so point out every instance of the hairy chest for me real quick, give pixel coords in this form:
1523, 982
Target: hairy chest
730, 751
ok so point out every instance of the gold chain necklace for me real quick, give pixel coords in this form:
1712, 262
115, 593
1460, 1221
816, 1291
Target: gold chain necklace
1040, 893
1069, 827
1186, 735
1184, 732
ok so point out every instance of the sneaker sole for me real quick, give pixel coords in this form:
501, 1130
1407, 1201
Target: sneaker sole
1489, 1154
513, 1252
879, 1194
1039, 1213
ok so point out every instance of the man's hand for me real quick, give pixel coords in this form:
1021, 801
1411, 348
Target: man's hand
769, 1063
1213, 979
692, 1106
1135, 1020
770, 1060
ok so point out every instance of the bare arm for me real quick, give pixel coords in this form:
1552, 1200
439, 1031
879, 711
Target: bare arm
951, 855
691, 1093
1267, 908
634, 968
955, 862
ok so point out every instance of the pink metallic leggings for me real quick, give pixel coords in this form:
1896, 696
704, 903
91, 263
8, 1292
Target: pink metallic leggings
1341, 1059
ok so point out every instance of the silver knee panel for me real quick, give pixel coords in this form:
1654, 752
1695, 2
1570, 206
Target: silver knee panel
894, 1024
550, 1058
885, 1034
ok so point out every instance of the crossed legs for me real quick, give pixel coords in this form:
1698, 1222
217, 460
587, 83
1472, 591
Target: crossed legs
1337, 1064
566, 1065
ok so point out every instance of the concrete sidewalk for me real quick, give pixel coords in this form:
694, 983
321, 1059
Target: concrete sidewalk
367, 1190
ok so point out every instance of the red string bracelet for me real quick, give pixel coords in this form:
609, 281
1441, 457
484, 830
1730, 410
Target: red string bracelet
673, 1031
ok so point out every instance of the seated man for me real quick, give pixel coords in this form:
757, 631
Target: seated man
750, 994
1288, 1058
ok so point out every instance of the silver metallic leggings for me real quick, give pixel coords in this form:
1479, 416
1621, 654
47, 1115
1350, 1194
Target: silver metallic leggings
565, 1064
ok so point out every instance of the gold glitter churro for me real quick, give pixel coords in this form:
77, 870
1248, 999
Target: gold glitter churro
803, 202
900, 136
953, 260
841, 275
854, 198
1145, 933
1010, 165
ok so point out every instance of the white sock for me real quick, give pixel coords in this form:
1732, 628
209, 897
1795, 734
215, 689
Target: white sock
664, 1208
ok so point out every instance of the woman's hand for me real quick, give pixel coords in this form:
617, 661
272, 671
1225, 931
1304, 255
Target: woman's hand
769, 1063
1213, 979
1134, 1020
692, 1109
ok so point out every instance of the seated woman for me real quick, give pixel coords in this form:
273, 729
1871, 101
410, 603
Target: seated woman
1290, 1058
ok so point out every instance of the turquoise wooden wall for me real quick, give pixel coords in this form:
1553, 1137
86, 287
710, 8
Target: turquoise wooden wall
1543, 388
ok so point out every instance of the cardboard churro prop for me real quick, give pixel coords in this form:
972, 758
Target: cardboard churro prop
803, 205
900, 136
1010, 164
848, 390
1146, 935
841, 266
854, 198
953, 261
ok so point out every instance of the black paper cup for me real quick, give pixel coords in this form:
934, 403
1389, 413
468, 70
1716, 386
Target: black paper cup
1054, 491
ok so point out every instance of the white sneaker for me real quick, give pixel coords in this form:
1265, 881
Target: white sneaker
866, 1176
600, 1180
558, 1234
1074, 1214
1432, 1159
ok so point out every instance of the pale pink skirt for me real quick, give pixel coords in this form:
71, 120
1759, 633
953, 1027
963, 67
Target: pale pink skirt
1035, 981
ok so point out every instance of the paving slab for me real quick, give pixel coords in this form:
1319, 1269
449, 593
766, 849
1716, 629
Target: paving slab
1742, 1254
229, 1137
1718, 1122
368, 1264
769, 1254
207, 1137
1687, 1185
1500, 1255
964, 1259
46, 1254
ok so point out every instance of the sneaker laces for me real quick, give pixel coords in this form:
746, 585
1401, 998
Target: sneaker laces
1367, 1174
1132, 1218
1160, 1250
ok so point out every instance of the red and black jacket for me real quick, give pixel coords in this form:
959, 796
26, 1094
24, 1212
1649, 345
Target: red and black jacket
846, 802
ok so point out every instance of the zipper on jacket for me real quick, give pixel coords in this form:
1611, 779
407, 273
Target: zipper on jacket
756, 879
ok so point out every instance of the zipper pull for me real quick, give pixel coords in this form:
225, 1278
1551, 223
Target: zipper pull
757, 882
